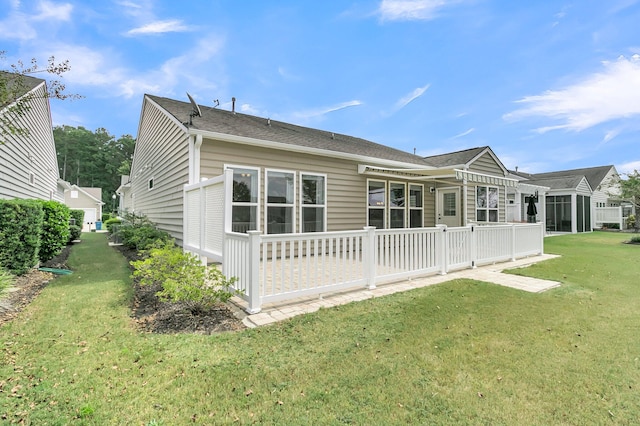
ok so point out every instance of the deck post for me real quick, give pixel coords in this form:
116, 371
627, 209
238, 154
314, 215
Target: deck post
442, 254
253, 284
369, 256
474, 246
513, 242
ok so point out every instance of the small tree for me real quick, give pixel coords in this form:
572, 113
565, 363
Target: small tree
630, 189
13, 90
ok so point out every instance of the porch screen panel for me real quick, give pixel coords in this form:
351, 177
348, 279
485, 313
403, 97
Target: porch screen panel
580, 212
587, 214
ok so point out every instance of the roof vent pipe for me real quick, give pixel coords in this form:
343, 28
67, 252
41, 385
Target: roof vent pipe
233, 104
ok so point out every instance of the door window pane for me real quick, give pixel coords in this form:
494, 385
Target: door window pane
449, 208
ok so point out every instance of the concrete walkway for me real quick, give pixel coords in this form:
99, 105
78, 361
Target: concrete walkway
272, 313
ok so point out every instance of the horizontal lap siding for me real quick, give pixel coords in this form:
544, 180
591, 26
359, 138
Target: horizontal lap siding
346, 198
487, 165
162, 152
34, 152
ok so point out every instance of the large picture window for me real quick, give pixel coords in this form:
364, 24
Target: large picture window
280, 194
487, 204
313, 205
244, 210
377, 194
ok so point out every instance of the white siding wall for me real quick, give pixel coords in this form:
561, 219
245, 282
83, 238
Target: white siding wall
33, 153
162, 153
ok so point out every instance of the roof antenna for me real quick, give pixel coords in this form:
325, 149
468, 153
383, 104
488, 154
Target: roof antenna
195, 111
216, 102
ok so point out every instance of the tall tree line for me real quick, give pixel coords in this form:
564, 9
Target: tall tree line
93, 159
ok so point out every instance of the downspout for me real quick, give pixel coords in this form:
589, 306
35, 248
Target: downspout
196, 171
195, 142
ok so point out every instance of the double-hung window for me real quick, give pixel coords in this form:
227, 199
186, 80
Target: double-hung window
416, 209
280, 190
397, 204
487, 204
377, 194
244, 207
313, 206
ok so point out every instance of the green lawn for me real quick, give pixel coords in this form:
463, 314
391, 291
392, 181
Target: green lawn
463, 352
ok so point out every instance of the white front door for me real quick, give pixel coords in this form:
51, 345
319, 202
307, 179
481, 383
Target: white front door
448, 211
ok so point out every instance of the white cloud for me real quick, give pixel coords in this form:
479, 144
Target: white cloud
24, 25
465, 133
160, 27
412, 10
415, 94
598, 98
53, 11
326, 110
629, 167
610, 135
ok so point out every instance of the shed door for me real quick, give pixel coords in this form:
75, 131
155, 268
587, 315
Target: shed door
448, 207
89, 220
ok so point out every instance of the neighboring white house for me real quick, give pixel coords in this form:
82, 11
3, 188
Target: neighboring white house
28, 163
87, 199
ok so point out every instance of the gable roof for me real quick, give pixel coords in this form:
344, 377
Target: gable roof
455, 158
558, 182
22, 84
220, 121
594, 175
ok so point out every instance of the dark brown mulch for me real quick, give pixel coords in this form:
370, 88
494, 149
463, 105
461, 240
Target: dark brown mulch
153, 315
148, 312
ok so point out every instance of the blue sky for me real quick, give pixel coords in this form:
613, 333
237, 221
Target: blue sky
549, 85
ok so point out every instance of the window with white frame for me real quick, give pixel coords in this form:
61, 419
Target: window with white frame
416, 207
244, 207
487, 203
377, 194
397, 204
313, 205
280, 201
74, 194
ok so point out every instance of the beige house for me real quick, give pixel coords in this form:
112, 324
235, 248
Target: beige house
293, 179
28, 163
87, 199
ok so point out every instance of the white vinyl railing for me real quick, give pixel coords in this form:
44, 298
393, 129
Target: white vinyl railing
273, 268
609, 215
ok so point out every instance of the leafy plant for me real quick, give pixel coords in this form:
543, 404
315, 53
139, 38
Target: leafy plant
74, 232
631, 221
78, 215
635, 239
55, 229
182, 276
20, 234
110, 222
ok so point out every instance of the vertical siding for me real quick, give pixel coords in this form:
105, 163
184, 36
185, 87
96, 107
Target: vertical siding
34, 153
161, 153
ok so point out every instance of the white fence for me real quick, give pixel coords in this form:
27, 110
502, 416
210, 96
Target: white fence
609, 215
273, 268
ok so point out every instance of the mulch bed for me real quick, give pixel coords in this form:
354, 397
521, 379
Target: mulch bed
148, 312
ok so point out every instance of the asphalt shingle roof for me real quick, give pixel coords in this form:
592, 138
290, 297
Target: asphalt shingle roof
238, 124
27, 83
454, 158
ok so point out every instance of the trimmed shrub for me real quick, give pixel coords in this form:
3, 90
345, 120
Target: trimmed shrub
113, 221
21, 223
6, 279
55, 229
182, 276
142, 237
74, 232
78, 215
